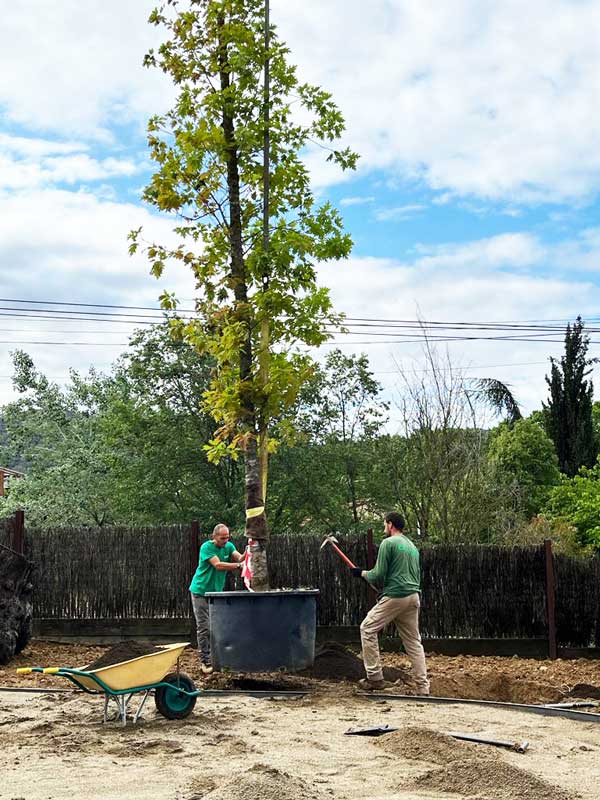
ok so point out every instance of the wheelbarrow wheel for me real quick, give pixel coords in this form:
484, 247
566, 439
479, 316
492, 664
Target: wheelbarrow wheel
170, 701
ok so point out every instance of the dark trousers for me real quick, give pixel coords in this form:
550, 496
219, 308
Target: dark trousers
200, 606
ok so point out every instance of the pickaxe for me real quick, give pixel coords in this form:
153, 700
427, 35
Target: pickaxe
333, 542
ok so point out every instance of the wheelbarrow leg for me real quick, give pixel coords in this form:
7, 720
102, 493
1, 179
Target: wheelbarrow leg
106, 702
141, 706
125, 698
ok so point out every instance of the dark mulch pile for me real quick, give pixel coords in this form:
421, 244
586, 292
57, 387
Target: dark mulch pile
335, 662
124, 651
585, 690
259, 685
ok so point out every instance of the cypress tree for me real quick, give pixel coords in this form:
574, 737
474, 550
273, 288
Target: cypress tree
568, 414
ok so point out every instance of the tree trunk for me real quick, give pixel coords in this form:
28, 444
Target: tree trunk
351, 473
256, 521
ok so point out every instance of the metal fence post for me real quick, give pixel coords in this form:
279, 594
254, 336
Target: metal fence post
550, 599
194, 543
18, 543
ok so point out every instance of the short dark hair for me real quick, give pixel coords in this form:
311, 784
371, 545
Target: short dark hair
397, 520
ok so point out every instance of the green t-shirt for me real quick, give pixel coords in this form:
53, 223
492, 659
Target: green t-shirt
397, 568
207, 578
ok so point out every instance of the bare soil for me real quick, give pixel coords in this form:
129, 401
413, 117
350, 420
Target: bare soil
124, 651
512, 680
243, 748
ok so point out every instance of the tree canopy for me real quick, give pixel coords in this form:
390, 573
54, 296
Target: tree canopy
258, 296
568, 413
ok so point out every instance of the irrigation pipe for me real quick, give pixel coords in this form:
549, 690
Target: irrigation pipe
30, 690
205, 692
546, 711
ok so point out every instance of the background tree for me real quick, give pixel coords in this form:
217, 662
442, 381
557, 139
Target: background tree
525, 461
256, 302
576, 501
122, 448
322, 480
346, 416
498, 396
436, 470
53, 434
568, 414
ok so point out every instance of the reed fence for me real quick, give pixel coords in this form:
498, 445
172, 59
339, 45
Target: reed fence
468, 591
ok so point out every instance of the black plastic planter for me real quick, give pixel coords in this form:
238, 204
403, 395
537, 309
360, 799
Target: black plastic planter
263, 631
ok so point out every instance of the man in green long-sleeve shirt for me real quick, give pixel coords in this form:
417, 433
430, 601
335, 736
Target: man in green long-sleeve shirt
397, 572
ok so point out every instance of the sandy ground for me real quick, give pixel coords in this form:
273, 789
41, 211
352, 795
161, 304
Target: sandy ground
245, 748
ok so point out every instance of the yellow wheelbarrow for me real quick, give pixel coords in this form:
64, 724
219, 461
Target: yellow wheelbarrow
174, 692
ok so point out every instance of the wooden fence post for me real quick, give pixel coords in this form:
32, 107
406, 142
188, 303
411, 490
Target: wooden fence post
550, 599
194, 543
371, 597
18, 543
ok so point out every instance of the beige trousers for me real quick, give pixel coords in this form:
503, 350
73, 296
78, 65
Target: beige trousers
404, 613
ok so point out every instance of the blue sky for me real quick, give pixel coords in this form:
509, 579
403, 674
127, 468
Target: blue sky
476, 196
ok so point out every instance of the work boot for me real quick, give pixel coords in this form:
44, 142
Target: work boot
206, 668
370, 685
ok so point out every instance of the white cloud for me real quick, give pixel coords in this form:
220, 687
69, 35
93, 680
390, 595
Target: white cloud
76, 68
440, 284
472, 97
356, 201
398, 213
60, 245
30, 147
506, 250
29, 163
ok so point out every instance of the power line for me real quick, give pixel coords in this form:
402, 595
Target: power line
387, 331
558, 323
76, 314
473, 366
70, 344
53, 330
74, 319
79, 305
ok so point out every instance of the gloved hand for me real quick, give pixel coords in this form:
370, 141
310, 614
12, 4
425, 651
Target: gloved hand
356, 572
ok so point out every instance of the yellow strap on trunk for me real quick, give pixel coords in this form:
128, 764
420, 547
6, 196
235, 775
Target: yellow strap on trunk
254, 512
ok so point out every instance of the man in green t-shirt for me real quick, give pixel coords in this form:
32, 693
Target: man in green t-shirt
218, 556
397, 573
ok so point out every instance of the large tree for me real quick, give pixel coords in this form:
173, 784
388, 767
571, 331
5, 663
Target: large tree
576, 501
525, 459
347, 414
321, 482
568, 414
436, 471
229, 166
123, 448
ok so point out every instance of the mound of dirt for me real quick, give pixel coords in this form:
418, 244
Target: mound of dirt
424, 744
500, 686
282, 684
334, 662
124, 651
486, 778
264, 783
585, 690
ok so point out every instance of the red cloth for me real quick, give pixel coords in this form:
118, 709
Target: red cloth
247, 568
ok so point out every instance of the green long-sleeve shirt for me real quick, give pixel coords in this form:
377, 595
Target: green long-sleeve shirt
397, 567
